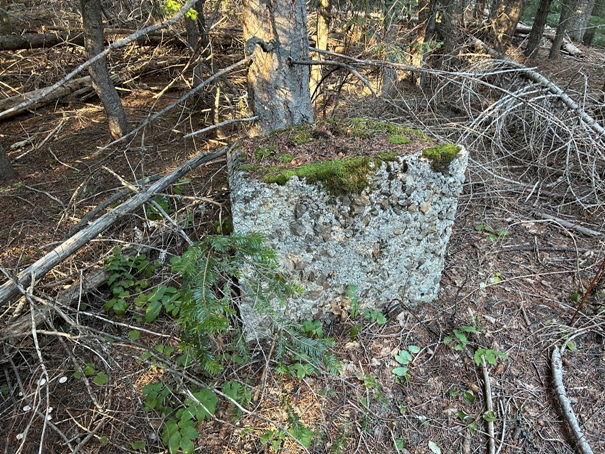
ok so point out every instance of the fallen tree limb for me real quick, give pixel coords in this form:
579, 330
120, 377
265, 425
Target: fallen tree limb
38, 40
22, 325
557, 373
489, 408
570, 225
43, 40
549, 33
42, 266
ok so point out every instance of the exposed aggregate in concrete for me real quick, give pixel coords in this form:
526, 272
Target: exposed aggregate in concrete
389, 241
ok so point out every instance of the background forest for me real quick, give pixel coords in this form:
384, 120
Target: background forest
119, 321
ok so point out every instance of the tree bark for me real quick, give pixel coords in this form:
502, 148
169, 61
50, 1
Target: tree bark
579, 20
101, 79
504, 19
5, 23
535, 36
203, 66
7, 173
567, 10
324, 17
275, 32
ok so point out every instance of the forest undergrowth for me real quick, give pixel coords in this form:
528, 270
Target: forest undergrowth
103, 354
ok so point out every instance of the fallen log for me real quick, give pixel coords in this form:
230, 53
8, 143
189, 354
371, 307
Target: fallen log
37, 270
38, 40
44, 40
65, 90
549, 33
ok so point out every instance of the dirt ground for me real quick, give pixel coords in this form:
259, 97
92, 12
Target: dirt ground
511, 285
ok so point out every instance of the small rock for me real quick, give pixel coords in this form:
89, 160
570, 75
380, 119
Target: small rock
425, 207
297, 228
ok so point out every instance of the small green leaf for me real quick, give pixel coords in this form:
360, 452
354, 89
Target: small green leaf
400, 371
489, 416
469, 397
134, 334
187, 445
571, 345
89, 369
435, 449
403, 357
101, 379
413, 349
138, 445
153, 310
399, 444
354, 331
189, 431
461, 415
103, 441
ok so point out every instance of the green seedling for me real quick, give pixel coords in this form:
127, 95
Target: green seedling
460, 336
493, 234
404, 358
491, 356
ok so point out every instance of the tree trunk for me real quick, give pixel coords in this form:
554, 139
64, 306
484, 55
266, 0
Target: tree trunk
579, 21
101, 80
567, 10
199, 41
275, 31
7, 173
323, 28
535, 36
504, 19
389, 75
5, 23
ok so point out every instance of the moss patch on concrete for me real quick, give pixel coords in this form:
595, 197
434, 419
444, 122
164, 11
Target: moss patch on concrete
441, 156
338, 153
346, 175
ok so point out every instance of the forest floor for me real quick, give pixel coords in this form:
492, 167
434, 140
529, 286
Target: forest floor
511, 285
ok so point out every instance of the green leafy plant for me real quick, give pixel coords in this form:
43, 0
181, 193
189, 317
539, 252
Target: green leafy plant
368, 314
491, 356
404, 358
460, 336
128, 276
493, 234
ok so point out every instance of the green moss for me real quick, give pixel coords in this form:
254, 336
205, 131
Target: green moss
399, 140
302, 134
441, 156
284, 158
346, 175
387, 156
264, 152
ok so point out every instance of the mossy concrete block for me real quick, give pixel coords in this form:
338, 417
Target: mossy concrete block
389, 240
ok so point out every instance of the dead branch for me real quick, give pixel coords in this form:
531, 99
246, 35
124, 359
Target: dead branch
340, 65
570, 225
549, 33
79, 86
557, 372
42, 266
489, 407
122, 43
219, 125
45, 40
38, 40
